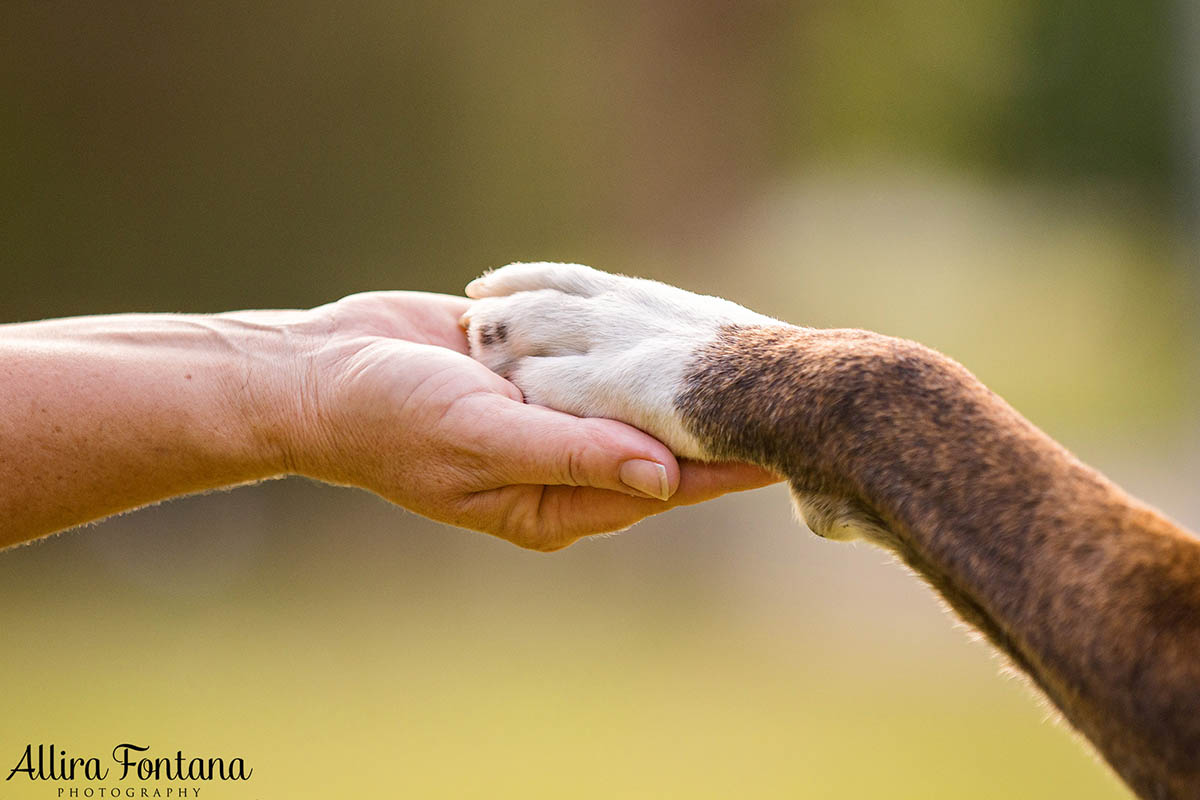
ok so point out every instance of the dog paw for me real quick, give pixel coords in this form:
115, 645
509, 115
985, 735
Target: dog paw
596, 344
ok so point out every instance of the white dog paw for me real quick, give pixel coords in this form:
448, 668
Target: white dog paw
566, 278
595, 344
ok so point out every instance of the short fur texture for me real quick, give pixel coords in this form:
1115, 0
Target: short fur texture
1090, 592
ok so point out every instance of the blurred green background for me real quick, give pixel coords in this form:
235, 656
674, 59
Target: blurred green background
1014, 183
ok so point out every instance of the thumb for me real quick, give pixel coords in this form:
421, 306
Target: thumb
537, 445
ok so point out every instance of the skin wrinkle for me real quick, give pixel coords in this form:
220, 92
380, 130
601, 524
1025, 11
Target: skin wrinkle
1095, 596
104, 414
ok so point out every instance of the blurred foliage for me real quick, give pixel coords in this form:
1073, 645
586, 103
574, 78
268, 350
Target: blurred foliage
1047, 90
181, 157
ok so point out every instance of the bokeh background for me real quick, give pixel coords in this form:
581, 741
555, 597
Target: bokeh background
1012, 182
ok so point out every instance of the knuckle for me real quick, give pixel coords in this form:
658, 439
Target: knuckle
540, 539
585, 453
522, 525
575, 465
527, 525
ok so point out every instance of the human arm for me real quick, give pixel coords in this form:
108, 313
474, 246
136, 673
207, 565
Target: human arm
104, 414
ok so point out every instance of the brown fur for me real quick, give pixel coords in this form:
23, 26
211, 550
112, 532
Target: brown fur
1093, 594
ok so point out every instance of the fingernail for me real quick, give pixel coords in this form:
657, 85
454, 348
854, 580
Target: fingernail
647, 477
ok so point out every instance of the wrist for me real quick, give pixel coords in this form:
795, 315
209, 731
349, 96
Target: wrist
113, 412
269, 386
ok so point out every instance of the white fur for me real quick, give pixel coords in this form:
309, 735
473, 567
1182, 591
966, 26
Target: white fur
596, 344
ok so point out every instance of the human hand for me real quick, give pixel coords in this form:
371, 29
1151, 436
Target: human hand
390, 401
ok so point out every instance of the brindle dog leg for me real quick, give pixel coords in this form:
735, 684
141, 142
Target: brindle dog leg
1092, 593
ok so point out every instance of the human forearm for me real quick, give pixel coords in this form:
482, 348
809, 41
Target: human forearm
104, 414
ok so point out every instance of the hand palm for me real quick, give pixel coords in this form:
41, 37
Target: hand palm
419, 422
